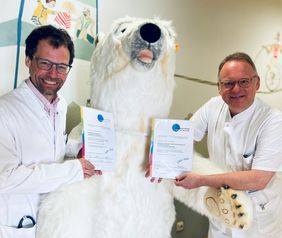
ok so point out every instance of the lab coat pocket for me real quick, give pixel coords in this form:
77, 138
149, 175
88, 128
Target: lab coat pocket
247, 160
267, 214
12, 232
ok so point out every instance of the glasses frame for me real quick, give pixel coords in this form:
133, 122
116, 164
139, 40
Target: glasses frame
230, 84
50, 65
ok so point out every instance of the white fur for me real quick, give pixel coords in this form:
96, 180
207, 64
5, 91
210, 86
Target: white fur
124, 203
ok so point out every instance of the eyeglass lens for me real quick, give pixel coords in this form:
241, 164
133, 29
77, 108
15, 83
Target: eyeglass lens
48, 65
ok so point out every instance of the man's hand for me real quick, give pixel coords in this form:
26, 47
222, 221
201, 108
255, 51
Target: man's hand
88, 168
147, 175
189, 180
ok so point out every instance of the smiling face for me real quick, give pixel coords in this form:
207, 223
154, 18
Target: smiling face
238, 98
48, 82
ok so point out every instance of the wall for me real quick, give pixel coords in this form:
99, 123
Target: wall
207, 32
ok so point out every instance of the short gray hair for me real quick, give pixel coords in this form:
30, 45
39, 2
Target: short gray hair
237, 56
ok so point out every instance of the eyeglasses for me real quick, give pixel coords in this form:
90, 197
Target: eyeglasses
243, 83
47, 65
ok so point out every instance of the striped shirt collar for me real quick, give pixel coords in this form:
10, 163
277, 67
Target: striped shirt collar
48, 107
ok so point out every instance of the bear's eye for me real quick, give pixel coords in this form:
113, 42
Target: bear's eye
122, 29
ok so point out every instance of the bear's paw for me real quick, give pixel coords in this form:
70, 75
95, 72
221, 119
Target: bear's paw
232, 207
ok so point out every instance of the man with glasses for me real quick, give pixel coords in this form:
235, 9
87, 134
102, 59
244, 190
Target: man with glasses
245, 138
32, 138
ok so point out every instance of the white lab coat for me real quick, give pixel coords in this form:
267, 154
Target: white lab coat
31, 156
250, 140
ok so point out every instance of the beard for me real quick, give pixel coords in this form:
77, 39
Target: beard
48, 86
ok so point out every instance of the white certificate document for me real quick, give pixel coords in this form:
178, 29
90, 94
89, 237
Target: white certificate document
171, 148
98, 138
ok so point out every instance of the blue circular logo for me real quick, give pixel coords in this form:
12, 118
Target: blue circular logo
176, 127
100, 118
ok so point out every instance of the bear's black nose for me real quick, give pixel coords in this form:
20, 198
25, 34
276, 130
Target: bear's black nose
150, 32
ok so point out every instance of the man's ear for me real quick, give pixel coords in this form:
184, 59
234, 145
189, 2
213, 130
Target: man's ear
258, 83
27, 61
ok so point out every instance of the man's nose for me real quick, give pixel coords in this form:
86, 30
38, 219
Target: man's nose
53, 70
236, 87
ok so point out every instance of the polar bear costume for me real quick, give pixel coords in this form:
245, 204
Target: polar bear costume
132, 75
